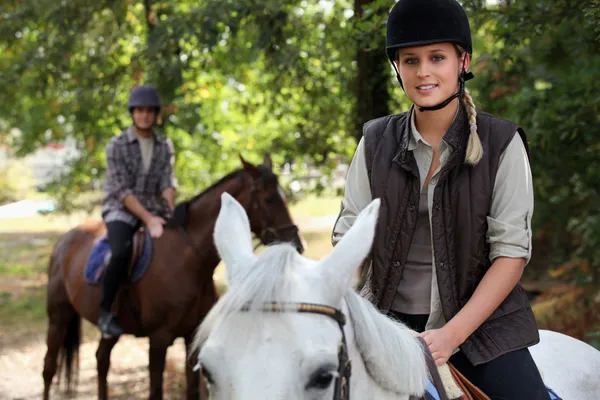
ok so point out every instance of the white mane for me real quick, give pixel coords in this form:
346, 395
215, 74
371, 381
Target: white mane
401, 371
267, 280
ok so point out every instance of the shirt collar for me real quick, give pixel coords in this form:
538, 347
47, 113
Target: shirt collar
131, 137
415, 136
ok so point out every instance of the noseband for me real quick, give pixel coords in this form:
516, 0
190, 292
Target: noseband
342, 383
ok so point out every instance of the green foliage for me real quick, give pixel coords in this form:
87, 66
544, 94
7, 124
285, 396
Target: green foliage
237, 77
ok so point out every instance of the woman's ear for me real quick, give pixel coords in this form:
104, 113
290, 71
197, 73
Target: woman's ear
466, 62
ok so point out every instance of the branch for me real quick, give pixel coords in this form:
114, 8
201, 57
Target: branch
149, 16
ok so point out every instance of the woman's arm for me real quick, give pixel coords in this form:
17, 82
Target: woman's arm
509, 235
357, 194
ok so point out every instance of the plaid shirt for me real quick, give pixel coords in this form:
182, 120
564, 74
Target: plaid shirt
125, 175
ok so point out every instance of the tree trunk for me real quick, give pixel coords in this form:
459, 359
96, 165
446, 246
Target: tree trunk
372, 95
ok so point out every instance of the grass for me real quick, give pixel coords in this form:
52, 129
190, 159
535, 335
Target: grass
312, 206
44, 223
21, 311
25, 255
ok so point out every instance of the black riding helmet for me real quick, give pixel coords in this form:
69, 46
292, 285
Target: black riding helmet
143, 96
423, 22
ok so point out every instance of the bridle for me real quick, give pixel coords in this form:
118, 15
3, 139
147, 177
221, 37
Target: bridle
268, 234
342, 383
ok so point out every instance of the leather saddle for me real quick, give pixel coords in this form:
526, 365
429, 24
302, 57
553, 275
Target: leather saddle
471, 392
139, 239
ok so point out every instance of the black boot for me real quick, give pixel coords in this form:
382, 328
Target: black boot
108, 324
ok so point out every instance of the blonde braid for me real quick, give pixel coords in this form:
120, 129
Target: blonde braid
474, 148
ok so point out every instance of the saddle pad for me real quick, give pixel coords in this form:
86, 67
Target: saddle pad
94, 269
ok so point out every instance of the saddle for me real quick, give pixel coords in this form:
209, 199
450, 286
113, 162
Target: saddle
470, 391
138, 241
447, 383
141, 255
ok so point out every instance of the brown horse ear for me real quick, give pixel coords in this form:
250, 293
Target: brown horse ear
249, 168
268, 162
245, 163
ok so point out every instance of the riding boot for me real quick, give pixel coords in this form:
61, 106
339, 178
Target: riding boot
108, 324
107, 321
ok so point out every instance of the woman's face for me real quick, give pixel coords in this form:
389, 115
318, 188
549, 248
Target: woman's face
430, 73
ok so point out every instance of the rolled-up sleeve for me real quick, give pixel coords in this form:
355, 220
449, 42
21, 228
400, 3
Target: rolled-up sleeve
357, 194
509, 221
167, 179
116, 177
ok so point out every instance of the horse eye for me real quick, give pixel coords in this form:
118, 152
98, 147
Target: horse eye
207, 375
320, 380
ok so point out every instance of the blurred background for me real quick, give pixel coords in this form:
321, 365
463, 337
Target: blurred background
296, 79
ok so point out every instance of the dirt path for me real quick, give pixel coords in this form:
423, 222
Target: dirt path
21, 369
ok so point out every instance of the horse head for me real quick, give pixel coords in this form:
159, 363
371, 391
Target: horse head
284, 328
267, 206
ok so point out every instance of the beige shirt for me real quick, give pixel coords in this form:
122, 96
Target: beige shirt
509, 220
146, 148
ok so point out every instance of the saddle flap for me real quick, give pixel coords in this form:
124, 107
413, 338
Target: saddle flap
470, 391
139, 239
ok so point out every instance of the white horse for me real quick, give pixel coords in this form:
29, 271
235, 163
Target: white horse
247, 352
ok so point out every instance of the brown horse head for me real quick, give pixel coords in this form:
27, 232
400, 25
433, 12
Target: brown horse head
268, 213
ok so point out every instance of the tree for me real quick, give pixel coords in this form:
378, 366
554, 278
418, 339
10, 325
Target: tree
235, 76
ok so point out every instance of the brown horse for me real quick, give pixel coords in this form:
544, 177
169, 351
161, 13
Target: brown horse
176, 291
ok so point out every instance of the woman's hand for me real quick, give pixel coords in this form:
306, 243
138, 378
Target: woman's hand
441, 343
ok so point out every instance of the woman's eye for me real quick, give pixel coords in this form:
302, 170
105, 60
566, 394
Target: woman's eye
438, 58
410, 61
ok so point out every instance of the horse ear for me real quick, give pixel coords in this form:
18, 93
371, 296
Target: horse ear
268, 162
245, 163
340, 265
249, 168
233, 237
